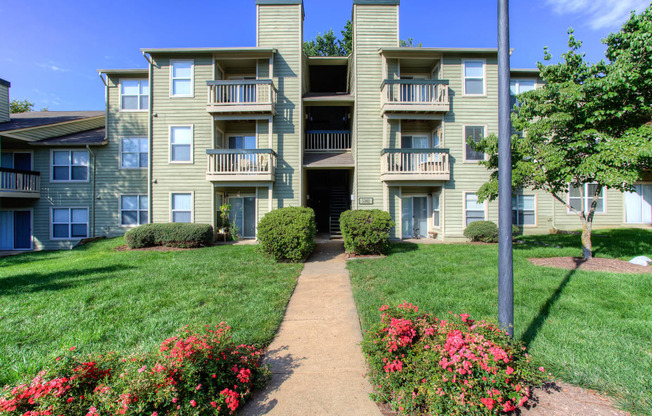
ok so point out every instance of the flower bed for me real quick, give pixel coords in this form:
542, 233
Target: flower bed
421, 364
199, 373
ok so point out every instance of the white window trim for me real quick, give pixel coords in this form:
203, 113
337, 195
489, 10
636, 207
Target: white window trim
88, 176
120, 138
69, 224
192, 78
432, 203
137, 210
536, 210
192, 204
633, 224
31, 157
587, 201
484, 204
139, 110
192, 145
486, 130
484, 78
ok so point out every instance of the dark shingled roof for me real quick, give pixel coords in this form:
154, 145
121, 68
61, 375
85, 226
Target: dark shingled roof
96, 137
44, 118
5, 83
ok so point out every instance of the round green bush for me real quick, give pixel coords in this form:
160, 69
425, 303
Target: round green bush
288, 233
182, 235
366, 231
485, 231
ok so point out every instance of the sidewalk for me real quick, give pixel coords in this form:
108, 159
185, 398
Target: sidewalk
316, 360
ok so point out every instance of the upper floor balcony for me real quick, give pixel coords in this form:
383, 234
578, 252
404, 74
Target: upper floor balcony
415, 165
16, 183
414, 96
241, 165
247, 96
328, 140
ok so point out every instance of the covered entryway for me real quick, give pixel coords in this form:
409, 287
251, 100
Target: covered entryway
15, 230
329, 195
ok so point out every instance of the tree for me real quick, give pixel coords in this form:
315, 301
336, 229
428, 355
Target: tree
585, 129
21, 106
329, 44
409, 43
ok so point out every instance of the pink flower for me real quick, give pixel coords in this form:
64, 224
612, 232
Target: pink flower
73, 348
193, 403
488, 402
143, 368
508, 407
198, 387
509, 370
542, 369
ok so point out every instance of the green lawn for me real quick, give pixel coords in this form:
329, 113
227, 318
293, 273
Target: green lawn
99, 299
591, 329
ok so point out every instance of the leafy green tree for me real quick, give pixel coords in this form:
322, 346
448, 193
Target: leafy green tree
409, 43
586, 127
329, 45
21, 106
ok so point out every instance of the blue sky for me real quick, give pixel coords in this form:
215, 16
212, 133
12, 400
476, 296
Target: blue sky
51, 49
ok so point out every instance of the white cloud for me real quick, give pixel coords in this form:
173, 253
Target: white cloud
600, 14
52, 67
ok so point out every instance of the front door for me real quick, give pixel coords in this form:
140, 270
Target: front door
15, 230
415, 217
243, 215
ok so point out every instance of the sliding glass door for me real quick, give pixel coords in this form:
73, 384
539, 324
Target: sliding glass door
243, 215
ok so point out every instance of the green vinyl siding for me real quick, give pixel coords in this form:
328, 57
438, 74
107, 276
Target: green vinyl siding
375, 26
281, 27
4, 103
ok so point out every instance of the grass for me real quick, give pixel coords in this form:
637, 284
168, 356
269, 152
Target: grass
591, 329
99, 299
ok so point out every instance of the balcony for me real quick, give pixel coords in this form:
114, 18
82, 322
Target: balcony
414, 96
256, 96
415, 165
328, 140
15, 183
236, 165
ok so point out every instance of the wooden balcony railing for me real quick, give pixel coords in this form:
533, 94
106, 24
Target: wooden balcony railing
415, 164
328, 140
415, 95
19, 183
241, 165
241, 95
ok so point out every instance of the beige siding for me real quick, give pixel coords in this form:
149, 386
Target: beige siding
169, 111
4, 103
281, 27
375, 26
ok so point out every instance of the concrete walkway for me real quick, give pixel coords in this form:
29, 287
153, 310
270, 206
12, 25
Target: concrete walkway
316, 359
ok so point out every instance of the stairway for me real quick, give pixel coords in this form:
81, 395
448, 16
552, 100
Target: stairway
339, 203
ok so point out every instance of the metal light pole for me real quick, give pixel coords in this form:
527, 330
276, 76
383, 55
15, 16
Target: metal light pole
505, 255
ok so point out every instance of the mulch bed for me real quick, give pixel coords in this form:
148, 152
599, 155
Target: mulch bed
353, 256
157, 248
594, 264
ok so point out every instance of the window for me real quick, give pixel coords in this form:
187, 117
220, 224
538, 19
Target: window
133, 210
638, 205
133, 153
181, 78
575, 197
523, 210
435, 210
473, 77
474, 210
181, 144
476, 133
69, 223
134, 94
242, 142
70, 165
519, 86
181, 207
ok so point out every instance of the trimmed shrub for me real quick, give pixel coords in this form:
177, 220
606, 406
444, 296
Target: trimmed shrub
199, 372
182, 235
485, 231
288, 233
420, 364
366, 231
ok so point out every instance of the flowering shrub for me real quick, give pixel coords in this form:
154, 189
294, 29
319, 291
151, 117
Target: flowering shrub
421, 364
198, 373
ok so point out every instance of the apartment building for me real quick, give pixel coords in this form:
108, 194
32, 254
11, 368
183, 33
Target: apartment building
267, 127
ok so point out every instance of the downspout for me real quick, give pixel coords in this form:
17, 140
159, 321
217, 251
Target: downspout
149, 140
92, 193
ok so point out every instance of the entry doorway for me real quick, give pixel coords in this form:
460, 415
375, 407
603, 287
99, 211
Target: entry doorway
414, 217
329, 196
243, 215
15, 230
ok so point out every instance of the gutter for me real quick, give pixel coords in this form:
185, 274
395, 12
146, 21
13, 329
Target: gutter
150, 121
92, 193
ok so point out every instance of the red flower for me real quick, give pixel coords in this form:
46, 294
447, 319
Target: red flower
488, 402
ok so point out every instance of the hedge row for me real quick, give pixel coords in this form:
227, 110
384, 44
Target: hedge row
170, 235
485, 231
288, 233
366, 231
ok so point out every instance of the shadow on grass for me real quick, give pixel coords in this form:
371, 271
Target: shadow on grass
396, 248
41, 282
537, 323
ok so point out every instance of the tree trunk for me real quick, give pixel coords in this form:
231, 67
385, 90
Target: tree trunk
587, 247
